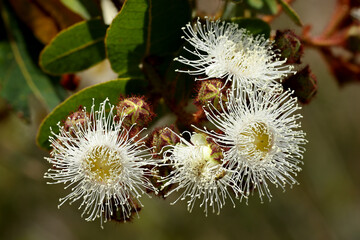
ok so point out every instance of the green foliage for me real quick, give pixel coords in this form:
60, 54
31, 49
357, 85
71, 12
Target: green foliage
263, 6
257, 4
290, 12
255, 26
140, 43
19, 76
272, 5
75, 49
145, 28
99, 92
85, 8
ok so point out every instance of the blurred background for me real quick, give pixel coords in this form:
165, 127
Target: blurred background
326, 204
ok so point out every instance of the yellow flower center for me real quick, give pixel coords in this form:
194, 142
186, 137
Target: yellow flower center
204, 167
256, 141
103, 164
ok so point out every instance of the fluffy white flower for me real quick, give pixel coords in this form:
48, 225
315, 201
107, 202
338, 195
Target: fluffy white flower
101, 164
260, 131
199, 172
222, 50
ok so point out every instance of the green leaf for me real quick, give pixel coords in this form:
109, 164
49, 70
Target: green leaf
273, 6
145, 28
234, 9
85, 8
19, 76
99, 92
74, 49
257, 4
255, 26
291, 13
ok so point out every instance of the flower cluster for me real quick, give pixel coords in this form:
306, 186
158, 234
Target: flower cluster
254, 138
254, 124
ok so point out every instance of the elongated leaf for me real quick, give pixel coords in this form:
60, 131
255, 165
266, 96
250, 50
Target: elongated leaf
145, 28
75, 49
19, 76
255, 26
291, 12
272, 5
85, 8
99, 92
257, 4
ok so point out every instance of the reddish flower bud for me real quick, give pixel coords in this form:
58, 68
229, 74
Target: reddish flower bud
303, 83
76, 119
210, 91
162, 137
289, 45
136, 111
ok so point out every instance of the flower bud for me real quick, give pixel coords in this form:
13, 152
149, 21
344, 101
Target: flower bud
304, 84
289, 45
210, 91
134, 110
162, 137
76, 119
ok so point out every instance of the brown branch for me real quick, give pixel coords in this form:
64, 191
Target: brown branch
341, 11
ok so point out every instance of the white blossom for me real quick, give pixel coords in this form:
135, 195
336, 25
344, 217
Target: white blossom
198, 171
261, 133
100, 164
223, 50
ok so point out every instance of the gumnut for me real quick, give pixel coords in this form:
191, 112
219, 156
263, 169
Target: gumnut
136, 113
159, 139
76, 120
211, 91
162, 137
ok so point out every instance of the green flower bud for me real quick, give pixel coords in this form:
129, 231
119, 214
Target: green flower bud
210, 91
162, 137
134, 110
